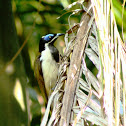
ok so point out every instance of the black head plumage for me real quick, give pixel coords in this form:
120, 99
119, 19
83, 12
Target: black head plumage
49, 38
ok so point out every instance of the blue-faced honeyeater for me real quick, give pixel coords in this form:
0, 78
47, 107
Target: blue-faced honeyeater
46, 64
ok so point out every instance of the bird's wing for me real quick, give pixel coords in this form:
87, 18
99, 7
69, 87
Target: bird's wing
39, 77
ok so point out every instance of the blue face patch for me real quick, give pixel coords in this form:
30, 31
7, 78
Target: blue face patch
48, 37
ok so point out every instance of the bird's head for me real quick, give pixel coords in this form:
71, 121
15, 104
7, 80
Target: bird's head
49, 38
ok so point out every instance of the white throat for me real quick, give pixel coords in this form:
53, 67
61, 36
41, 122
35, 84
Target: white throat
49, 69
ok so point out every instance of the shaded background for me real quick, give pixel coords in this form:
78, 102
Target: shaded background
24, 22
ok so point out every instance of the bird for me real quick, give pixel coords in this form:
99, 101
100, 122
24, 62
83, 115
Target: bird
46, 64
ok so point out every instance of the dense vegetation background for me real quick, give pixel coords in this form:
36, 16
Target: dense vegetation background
22, 23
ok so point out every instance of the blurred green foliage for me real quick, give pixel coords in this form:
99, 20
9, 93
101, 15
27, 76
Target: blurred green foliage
118, 9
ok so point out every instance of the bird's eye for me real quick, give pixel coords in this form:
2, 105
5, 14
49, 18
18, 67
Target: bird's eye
48, 37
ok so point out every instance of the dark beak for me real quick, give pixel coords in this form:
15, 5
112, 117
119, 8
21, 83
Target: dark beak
59, 34
56, 36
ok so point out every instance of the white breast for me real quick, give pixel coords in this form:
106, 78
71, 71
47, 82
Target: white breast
50, 70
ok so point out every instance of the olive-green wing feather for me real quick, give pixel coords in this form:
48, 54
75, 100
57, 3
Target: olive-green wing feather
39, 77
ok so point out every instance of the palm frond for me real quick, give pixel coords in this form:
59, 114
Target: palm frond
81, 96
